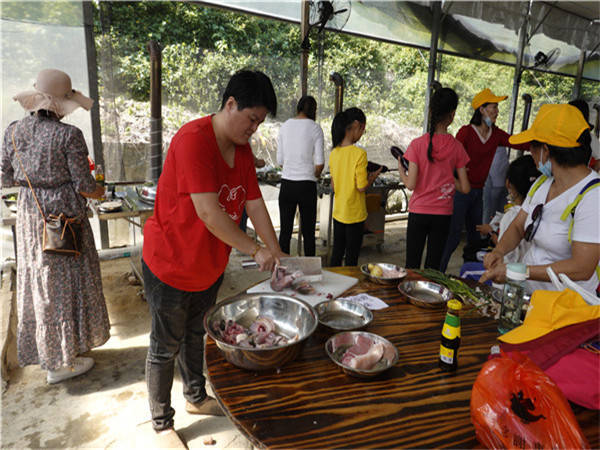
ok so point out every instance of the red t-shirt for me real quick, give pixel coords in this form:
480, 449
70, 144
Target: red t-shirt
178, 248
481, 154
434, 192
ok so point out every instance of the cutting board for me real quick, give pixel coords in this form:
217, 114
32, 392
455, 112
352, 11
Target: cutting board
332, 283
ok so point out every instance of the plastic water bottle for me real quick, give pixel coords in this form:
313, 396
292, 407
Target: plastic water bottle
513, 297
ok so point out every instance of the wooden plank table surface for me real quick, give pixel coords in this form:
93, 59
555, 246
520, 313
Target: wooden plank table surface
310, 403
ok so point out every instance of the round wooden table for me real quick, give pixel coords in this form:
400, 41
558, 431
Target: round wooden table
310, 403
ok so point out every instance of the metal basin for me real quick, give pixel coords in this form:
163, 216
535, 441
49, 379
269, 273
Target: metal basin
383, 280
381, 366
425, 294
293, 318
343, 315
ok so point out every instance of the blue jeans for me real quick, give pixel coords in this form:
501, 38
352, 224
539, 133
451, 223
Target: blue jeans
494, 199
177, 332
468, 209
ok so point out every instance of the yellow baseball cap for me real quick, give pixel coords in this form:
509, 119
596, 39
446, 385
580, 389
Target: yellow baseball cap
551, 310
486, 96
558, 125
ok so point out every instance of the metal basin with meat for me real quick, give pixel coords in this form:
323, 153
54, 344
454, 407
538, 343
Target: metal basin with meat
293, 318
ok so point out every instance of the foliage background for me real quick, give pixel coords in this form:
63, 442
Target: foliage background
203, 47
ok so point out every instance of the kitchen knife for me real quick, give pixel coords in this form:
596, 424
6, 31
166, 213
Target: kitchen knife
310, 266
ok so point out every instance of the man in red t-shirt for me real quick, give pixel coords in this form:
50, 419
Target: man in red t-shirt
207, 180
480, 139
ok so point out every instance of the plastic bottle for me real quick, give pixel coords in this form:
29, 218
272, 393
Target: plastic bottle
513, 297
450, 337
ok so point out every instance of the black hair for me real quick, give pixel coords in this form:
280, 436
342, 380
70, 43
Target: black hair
45, 113
342, 121
307, 105
573, 156
522, 173
477, 117
443, 102
582, 106
251, 88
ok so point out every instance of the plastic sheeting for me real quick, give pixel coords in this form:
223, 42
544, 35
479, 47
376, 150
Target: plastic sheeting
480, 30
42, 35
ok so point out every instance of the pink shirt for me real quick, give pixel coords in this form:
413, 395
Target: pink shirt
434, 192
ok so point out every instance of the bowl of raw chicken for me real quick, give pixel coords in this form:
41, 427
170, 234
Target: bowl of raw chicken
361, 354
260, 331
383, 273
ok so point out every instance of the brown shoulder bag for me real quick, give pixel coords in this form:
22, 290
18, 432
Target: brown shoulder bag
62, 234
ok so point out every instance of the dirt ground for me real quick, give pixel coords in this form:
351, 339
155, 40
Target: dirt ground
107, 407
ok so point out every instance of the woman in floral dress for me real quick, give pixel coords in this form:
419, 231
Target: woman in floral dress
61, 307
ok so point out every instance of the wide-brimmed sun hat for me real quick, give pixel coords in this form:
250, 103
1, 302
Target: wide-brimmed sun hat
53, 92
486, 96
557, 125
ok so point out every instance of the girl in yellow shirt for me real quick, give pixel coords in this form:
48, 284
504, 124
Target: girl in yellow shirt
349, 180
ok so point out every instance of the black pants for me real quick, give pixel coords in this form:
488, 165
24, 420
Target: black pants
432, 228
347, 240
177, 332
301, 194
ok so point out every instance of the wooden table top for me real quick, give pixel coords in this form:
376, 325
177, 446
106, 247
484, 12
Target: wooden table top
311, 403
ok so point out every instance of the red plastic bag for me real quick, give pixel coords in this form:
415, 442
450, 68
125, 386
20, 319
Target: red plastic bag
514, 404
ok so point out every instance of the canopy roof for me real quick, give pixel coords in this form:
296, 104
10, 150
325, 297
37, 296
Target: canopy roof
480, 30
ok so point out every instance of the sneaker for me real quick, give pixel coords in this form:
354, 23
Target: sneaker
80, 366
207, 407
167, 439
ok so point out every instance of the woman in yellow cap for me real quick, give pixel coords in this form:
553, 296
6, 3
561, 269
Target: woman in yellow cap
561, 215
480, 139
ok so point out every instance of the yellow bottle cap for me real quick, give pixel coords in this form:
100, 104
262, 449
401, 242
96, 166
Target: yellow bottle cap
455, 304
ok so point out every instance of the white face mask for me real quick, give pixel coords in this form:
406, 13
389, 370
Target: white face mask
488, 121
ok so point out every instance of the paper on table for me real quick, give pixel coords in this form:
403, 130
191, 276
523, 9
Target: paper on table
368, 300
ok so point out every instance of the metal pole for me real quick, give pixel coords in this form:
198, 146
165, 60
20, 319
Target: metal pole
338, 81
304, 28
577, 84
155, 166
435, 33
518, 66
92, 69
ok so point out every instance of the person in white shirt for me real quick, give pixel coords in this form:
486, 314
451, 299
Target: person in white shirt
564, 235
300, 152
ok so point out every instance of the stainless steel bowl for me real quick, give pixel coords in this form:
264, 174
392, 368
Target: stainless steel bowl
343, 315
292, 317
385, 266
336, 356
426, 294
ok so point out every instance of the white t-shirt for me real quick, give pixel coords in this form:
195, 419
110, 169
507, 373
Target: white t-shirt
550, 243
517, 254
300, 149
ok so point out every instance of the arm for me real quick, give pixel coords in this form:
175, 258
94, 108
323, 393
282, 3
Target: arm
220, 224
370, 180
6, 169
318, 169
99, 192
580, 266
318, 153
462, 182
258, 214
409, 178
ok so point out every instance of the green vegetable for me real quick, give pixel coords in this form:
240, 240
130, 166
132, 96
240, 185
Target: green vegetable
456, 286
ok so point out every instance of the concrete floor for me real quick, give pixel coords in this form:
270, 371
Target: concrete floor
107, 407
